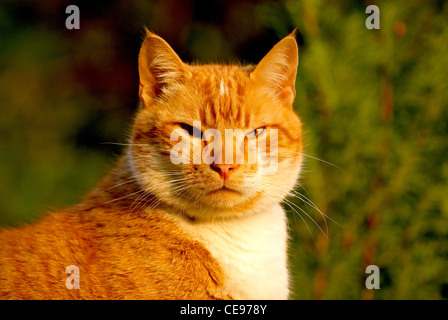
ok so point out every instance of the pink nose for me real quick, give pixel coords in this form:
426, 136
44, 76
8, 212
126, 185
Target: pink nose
224, 170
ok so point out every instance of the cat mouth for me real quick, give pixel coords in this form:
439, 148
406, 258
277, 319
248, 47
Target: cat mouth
224, 189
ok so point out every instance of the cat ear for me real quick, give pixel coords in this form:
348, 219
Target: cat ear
160, 68
277, 70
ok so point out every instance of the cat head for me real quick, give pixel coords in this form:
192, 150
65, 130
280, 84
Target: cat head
185, 109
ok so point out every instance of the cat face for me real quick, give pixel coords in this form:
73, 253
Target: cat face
187, 110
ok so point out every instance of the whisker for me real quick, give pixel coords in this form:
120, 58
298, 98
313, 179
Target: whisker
126, 196
290, 206
120, 184
321, 160
274, 185
308, 201
314, 221
125, 144
300, 216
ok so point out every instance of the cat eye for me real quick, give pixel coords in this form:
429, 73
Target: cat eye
256, 133
192, 131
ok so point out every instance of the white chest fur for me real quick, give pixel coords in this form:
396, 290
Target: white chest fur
251, 251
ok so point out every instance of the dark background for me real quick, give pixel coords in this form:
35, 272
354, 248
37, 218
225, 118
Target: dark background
373, 103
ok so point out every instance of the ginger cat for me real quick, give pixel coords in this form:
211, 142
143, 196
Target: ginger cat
153, 229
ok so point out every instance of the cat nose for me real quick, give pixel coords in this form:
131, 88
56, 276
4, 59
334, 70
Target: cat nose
224, 170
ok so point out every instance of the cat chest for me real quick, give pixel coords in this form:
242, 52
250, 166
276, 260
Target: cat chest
251, 252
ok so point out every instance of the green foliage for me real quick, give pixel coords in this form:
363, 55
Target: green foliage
373, 104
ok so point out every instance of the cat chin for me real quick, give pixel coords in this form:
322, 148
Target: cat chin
223, 210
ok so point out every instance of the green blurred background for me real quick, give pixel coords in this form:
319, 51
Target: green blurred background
374, 104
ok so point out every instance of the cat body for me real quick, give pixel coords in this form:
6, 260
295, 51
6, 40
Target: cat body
153, 229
